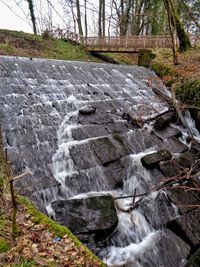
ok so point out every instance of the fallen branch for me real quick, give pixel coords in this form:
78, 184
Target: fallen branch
131, 196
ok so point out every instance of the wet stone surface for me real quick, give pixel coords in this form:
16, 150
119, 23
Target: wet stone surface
65, 122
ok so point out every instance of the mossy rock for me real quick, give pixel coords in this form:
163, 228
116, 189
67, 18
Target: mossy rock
194, 260
4, 245
145, 57
189, 92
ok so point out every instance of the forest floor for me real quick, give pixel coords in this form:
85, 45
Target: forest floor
188, 67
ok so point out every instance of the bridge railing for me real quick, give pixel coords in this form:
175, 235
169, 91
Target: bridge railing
133, 42
68, 35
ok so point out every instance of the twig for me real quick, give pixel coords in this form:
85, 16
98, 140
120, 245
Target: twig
131, 196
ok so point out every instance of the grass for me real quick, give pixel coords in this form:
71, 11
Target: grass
123, 58
17, 43
24, 263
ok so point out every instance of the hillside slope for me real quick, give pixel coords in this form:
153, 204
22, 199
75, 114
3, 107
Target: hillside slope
22, 44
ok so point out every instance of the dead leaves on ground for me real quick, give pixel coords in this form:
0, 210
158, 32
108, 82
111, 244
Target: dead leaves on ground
36, 242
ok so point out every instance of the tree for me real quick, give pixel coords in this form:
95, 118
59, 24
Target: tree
80, 29
184, 41
101, 19
31, 9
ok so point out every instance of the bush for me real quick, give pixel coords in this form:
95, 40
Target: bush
161, 70
189, 92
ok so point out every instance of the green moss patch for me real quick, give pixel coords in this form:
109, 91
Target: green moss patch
4, 245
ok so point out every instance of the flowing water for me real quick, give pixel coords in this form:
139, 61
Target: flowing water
74, 156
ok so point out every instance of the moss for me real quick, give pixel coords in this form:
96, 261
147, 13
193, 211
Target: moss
4, 245
145, 57
161, 70
118, 138
195, 260
189, 92
1, 183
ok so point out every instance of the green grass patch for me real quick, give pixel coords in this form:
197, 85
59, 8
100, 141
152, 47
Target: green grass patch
7, 48
25, 263
123, 58
4, 245
26, 44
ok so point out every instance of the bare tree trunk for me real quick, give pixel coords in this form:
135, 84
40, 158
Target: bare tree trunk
172, 30
104, 18
86, 27
100, 18
80, 29
31, 9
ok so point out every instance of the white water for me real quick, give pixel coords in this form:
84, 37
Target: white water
192, 125
135, 236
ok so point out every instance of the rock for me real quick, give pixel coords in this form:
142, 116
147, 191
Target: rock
152, 159
185, 201
97, 118
88, 131
141, 139
92, 179
189, 223
168, 251
173, 145
108, 149
87, 215
117, 127
83, 156
145, 57
158, 209
164, 120
195, 145
168, 132
116, 171
87, 110
179, 164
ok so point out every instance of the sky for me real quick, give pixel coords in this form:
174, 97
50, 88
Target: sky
8, 20
14, 15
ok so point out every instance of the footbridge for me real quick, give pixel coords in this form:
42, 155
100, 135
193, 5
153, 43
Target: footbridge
125, 44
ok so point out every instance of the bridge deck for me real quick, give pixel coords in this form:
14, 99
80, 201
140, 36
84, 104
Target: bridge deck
125, 44
115, 44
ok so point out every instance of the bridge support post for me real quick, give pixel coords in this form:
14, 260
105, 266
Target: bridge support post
145, 57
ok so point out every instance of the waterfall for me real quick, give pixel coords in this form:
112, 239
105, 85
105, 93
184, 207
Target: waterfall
73, 155
135, 236
192, 125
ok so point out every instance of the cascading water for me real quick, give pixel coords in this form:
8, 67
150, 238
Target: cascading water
74, 156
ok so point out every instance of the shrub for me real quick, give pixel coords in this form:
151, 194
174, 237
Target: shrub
189, 92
